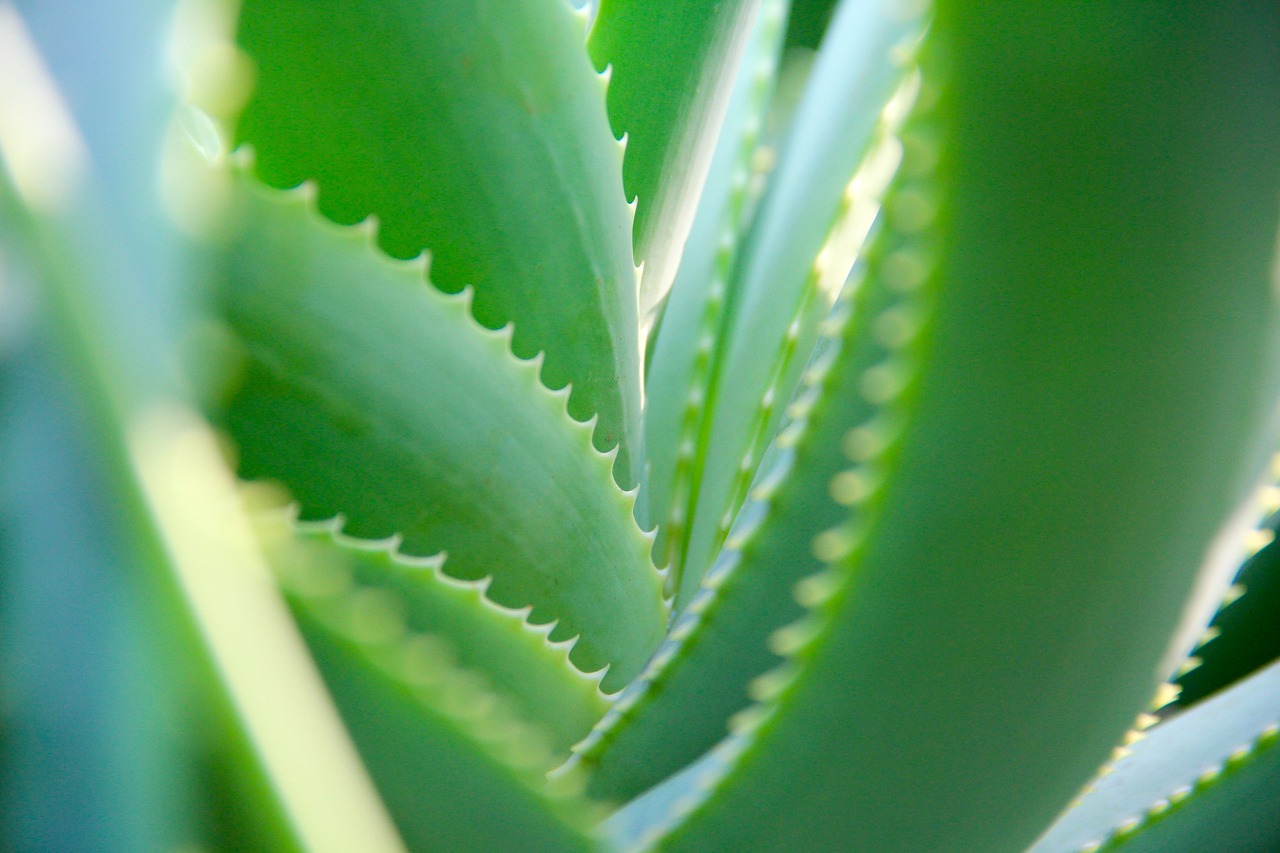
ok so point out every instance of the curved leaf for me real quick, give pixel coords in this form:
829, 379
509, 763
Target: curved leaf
444, 752
680, 705
370, 394
1049, 450
821, 199
476, 131
680, 354
519, 663
1205, 780
672, 69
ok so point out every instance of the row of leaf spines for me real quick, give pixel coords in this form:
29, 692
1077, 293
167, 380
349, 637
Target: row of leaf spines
372, 618
1260, 538
305, 196
1267, 740
685, 632
744, 193
585, 15
900, 259
852, 203
329, 532
263, 33
639, 508
1169, 693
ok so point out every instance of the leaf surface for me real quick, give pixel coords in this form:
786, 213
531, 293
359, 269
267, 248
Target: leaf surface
680, 706
458, 773
820, 201
1046, 452
1204, 780
519, 663
672, 70
476, 131
370, 394
693, 316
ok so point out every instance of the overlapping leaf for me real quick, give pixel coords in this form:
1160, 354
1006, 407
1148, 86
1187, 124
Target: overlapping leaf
672, 68
1201, 781
1046, 452
370, 394
521, 666
820, 201
476, 131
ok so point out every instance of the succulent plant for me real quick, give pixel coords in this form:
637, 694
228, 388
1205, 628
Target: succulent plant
747, 426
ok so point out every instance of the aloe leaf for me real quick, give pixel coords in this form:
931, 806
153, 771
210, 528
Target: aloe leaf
1049, 449
672, 71
680, 706
819, 202
679, 358
114, 286
370, 394
492, 150
1204, 780
517, 660
1242, 637
89, 757
444, 752
172, 511
85, 754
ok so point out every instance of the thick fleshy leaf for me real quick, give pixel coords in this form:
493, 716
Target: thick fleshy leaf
457, 771
672, 70
680, 706
82, 146
821, 199
1049, 449
1243, 636
370, 394
1207, 779
477, 132
521, 666
1234, 810
679, 358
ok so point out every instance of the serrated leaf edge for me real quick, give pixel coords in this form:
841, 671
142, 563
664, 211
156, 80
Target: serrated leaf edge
743, 193
686, 629
462, 698
305, 197
845, 239
872, 448
331, 531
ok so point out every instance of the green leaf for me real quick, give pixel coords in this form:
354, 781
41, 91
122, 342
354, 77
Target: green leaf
819, 203
672, 71
808, 23
517, 660
680, 706
86, 756
1204, 780
1242, 637
680, 355
370, 394
1048, 450
457, 771
114, 280
477, 133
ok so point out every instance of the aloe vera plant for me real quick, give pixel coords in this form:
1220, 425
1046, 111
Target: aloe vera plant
745, 426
